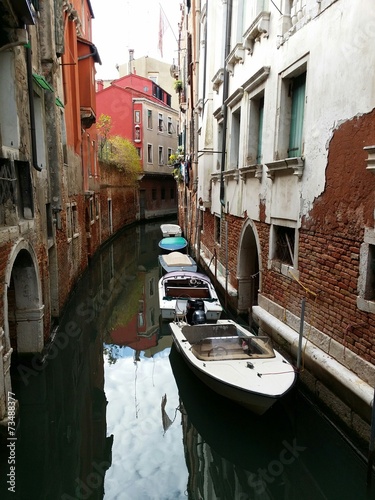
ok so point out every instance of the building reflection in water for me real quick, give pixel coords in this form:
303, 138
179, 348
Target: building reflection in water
62, 446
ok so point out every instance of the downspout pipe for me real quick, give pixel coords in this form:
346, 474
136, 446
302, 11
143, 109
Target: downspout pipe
34, 154
228, 31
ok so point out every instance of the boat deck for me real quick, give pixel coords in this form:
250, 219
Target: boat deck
222, 342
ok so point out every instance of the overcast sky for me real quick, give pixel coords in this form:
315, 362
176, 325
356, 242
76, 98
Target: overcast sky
120, 25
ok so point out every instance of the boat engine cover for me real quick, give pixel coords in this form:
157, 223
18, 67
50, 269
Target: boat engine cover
198, 318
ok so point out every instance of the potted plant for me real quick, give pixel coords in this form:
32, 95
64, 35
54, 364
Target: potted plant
178, 86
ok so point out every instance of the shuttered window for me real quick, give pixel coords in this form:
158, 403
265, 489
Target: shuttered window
260, 132
297, 112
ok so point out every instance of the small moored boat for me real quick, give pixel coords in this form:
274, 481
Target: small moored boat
176, 261
169, 230
173, 243
234, 362
184, 292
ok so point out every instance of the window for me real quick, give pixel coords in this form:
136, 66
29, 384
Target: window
289, 142
370, 275
366, 278
149, 119
217, 229
260, 131
69, 233
298, 85
91, 205
255, 138
283, 244
149, 153
235, 139
161, 155
139, 152
75, 227
169, 153
170, 126
137, 133
137, 117
220, 131
25, 189
160, 123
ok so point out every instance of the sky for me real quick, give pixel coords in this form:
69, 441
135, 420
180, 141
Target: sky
120, 25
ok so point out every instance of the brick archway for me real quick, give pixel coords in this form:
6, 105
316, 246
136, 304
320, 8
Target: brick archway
249, 266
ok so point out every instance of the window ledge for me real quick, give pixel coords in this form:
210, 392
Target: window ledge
285, 269
258, 28
371, 158
295, 164
255, 170
235, 57
366, 305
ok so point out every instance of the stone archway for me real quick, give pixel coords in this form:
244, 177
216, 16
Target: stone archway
23, 314
249, 266
23, 308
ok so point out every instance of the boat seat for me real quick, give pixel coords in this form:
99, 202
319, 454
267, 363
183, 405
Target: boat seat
180, 310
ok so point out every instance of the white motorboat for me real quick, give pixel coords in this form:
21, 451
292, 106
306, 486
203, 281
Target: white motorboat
187, 291
170, 230
234, 362
176, 261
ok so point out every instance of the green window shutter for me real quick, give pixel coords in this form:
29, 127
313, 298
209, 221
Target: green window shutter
296, 123
42, 82
260, 131
59, 103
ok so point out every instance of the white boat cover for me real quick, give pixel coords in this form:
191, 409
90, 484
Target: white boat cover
174, 259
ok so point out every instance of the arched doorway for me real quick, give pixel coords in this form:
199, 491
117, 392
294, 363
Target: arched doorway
23, 308
23, 314
249, 278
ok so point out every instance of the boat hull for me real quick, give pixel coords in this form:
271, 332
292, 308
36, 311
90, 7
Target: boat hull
257, 388
173, 243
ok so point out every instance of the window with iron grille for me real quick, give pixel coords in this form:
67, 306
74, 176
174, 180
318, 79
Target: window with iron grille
284, 239
8, 192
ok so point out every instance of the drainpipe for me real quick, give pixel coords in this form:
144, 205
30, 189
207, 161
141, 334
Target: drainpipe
225, 95
34, 155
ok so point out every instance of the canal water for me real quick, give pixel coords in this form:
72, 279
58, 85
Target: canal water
112, 412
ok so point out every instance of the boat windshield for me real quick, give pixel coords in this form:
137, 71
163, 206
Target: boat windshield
233, 347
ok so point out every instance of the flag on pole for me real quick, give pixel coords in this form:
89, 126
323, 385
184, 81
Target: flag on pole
162, 29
